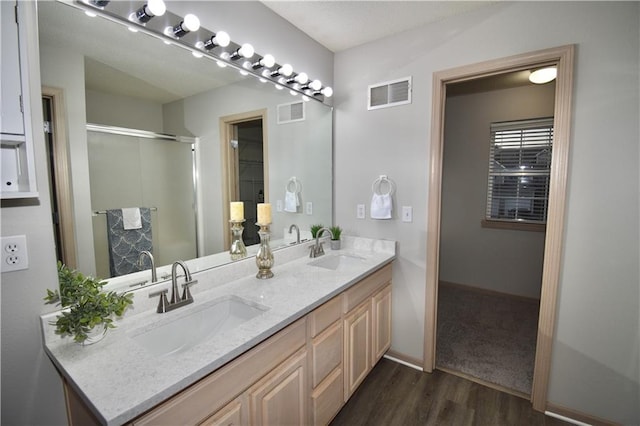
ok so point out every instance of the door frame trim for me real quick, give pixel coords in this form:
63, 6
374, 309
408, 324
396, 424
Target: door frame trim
228, 160
563, 58
62, 173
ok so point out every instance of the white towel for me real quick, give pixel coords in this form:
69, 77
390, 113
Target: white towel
291, 201
381, 206
131, 218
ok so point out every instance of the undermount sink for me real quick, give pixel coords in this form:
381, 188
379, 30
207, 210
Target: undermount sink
182, 330
335, 262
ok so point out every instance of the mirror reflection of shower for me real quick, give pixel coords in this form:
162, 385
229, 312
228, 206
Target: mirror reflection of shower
250, 179
131, 168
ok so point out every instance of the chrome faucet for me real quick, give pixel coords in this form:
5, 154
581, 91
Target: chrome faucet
291, 228
316, 249
176, 300
154, 276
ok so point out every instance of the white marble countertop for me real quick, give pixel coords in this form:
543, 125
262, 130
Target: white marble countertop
119, 379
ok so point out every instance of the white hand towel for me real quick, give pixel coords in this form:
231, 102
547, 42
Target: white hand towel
131, 218
291, 202
381, 206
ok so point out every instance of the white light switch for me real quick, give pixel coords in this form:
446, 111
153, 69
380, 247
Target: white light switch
309, 208
278, 205
407, 214
360, 211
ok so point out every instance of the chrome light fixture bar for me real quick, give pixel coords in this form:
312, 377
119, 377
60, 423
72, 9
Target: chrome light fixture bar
148, 17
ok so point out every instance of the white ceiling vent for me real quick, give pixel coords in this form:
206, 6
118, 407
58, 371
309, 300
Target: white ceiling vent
290, 113
389, 93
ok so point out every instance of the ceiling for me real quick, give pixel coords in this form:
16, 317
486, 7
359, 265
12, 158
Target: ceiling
340, 25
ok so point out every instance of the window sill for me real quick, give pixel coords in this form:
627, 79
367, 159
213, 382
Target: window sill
514, 226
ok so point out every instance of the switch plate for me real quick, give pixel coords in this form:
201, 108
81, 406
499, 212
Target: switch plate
407, 214
360, 211
14, 253
278, 205
309, 208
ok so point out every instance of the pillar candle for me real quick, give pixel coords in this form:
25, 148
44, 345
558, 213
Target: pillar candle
237, 210
264, 213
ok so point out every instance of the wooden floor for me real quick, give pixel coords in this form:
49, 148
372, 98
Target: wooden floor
394, 394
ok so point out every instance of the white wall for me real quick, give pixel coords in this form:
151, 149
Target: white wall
123, 111
595, 353
507, 261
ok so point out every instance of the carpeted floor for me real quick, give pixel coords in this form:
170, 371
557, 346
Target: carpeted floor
487, 335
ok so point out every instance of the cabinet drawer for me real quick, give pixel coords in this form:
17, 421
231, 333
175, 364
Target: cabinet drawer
211, 393
324, 316
326, 352
326, 400
234, 414
365, 288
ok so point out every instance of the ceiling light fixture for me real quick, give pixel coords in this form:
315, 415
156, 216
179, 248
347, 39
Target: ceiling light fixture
543, 75
149, 10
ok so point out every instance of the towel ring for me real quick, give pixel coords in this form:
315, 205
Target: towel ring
376, 186
297, 185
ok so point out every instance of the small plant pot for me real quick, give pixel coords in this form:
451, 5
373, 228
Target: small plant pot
335, 244
96, 334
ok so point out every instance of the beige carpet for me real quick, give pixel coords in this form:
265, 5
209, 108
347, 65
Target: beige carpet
488, 336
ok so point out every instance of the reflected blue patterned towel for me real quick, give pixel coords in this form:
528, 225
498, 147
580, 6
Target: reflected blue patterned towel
125, 245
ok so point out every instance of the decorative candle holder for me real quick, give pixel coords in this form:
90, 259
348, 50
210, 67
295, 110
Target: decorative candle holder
264, 258
238, 250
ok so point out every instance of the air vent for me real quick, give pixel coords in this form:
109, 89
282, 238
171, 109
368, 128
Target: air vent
390, 93
290, 113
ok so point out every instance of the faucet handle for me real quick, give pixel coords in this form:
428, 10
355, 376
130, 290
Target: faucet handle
186, 294
162, 303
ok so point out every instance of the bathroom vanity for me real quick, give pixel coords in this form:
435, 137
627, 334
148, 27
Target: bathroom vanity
298, 346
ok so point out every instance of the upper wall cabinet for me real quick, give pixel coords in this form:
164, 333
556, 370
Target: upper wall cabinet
18, 168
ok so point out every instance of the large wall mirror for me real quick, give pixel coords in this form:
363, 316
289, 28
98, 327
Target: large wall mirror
152, 126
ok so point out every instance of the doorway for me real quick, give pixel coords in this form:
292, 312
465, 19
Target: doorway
562, 57
245, 168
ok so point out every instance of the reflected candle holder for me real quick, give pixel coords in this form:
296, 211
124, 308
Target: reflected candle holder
238, 250
264, 258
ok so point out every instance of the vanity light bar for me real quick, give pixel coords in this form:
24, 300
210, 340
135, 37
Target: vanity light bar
186, 32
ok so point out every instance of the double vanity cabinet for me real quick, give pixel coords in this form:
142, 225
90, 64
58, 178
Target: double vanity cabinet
301, 374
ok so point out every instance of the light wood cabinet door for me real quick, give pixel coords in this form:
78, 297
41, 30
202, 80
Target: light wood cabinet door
326, 399
357, 347
280, 398
381, 323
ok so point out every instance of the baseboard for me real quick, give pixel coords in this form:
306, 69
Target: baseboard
578, 417
404, 359
487, 291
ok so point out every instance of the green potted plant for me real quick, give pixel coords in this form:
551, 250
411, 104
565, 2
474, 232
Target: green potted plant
88, 312
315, 228
336, 231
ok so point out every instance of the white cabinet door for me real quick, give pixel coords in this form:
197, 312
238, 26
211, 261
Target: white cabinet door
11, 120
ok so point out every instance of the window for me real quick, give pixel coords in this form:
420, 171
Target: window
519, 170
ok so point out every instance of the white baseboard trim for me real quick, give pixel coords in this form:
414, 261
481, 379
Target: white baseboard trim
399, 361
566, 419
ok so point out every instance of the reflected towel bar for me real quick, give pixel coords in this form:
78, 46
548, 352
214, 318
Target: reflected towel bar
97, 212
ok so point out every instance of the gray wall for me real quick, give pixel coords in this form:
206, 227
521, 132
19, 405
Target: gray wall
595, 354
31, 389
502, 260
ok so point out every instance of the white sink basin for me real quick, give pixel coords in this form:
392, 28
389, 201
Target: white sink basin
336, 262
176, 331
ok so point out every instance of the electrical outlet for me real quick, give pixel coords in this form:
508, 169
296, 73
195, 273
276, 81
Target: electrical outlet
14, 253
360, 211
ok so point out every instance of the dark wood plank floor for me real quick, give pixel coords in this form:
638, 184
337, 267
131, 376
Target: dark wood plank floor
394, 394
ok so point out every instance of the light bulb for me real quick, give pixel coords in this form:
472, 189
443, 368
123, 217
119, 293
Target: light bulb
302, 78
285, 70
221, 64
266, 61
327, 92
279, 87
543, 75
90, 14
305, 98
293, 93
246, 51
315, 85
189, 23
243, 72
196, 54
221, 38
149, 10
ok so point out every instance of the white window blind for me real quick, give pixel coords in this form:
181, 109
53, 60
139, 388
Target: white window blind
519, 170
